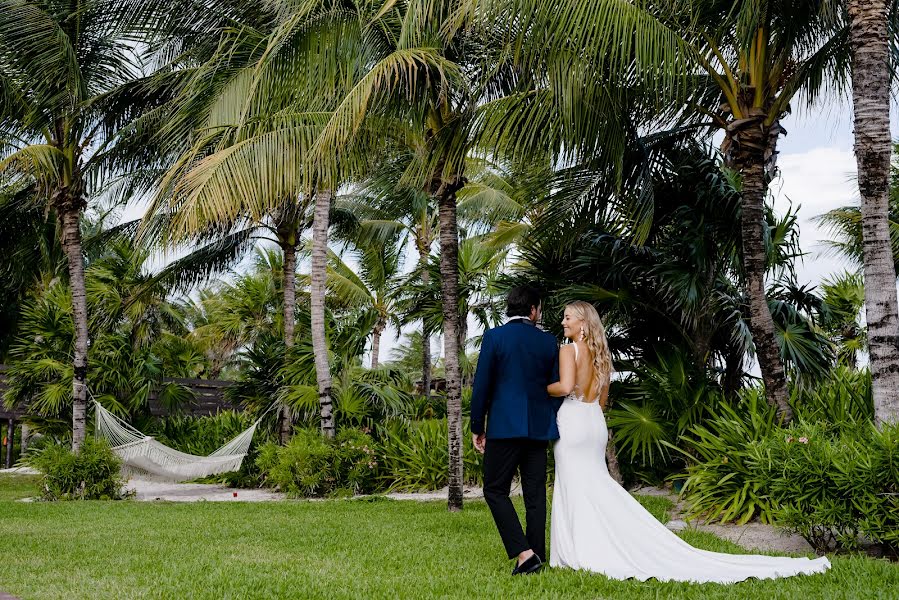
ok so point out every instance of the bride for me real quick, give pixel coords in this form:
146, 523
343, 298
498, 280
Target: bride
596, 525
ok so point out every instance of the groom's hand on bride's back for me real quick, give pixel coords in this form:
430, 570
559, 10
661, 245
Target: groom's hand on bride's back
480, 441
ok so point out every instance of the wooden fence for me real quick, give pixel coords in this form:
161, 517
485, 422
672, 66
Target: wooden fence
208, 398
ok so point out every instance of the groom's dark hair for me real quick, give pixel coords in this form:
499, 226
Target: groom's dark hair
521, 299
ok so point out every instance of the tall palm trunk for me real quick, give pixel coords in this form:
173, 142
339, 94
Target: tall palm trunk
449, 273
285, 419
752, 144
423, 251
612, 459
376, 342
317, 305
869, 40
69, 211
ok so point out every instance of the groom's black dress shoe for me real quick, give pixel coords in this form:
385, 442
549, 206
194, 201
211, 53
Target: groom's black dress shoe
531, 565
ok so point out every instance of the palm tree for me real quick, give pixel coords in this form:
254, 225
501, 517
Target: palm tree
373, 286
872, 32
739, 65
60, 62
445, 81
242, 171
386, 209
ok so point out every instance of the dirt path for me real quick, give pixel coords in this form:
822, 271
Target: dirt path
145, 490
752, 536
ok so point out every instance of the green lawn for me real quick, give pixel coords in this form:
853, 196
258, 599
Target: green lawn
331, 549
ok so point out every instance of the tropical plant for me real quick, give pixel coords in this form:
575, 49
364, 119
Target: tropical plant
739, 64
33, 255
660, 400
132, 324
60, 65
720, 483
832, 485
310, 465
373, 285
415, 456
92, 473
844, 298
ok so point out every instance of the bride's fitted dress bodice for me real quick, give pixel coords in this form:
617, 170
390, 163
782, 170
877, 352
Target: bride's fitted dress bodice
598, 526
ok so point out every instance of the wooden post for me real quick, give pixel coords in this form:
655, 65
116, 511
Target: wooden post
11, 430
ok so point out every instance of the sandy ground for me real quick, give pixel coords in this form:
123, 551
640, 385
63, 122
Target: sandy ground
753, 536
20, 471
147, 490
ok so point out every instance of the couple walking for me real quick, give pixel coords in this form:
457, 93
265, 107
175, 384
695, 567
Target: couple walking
529, 392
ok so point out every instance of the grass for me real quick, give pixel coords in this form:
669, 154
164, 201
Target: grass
374, 548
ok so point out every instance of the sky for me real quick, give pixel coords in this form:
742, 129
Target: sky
817, 174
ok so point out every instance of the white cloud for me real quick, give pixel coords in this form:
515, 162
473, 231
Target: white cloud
816, 181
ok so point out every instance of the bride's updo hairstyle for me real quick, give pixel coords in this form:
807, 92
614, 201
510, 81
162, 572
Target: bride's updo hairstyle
594, 336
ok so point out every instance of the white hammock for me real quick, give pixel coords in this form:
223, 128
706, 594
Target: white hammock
143, 455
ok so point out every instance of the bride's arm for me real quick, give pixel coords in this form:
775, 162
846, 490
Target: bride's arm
567, 368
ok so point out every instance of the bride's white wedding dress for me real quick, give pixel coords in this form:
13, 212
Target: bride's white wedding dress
597, 526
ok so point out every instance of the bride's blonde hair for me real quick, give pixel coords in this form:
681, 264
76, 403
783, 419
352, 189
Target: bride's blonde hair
594, 336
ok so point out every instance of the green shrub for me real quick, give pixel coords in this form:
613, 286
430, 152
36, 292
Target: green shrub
310, 465
91, 474
843, 399
798, 465
830, 485
415, 455
720, 484
201, 436
356, 462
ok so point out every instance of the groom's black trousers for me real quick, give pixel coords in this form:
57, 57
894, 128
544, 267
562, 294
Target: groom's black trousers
502, 458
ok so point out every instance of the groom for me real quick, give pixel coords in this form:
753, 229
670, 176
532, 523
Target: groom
516, 363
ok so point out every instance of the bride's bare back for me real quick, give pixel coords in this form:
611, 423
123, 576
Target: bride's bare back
577, 377
587, 387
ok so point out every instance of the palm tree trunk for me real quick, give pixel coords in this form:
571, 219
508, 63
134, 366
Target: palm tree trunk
869, 40
376, 343
69, 216
612, 460
285, 419
426, 360
425, 332
317, 305
749, 147
449, 273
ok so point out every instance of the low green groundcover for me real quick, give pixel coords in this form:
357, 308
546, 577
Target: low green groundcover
332, 549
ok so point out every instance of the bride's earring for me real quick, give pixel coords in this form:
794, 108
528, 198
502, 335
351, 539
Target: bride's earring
583, 334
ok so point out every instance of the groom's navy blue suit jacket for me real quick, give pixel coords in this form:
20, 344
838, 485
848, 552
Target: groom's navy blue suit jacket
516, 364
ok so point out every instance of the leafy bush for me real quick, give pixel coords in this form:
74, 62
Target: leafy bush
310, 465
658, 402
720, 483
416, 455
843, 399
200, 436
91, 474
830, 485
